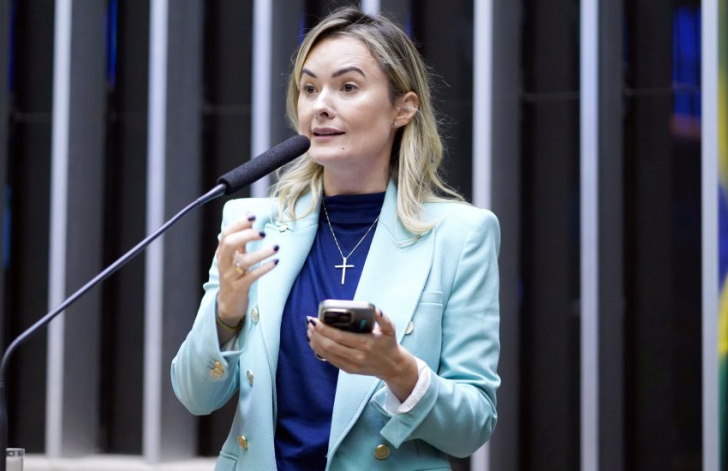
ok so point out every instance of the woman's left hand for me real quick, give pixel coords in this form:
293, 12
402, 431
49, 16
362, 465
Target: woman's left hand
376, 354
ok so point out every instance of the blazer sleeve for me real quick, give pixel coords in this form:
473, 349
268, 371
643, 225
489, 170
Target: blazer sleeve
204, 377
457, 414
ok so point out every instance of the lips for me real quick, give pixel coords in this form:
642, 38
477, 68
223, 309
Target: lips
326, 132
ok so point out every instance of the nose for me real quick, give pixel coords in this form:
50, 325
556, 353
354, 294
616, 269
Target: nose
322, 107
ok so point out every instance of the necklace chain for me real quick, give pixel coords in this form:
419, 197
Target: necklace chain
344, 265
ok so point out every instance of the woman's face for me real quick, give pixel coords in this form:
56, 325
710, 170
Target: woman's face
345, 109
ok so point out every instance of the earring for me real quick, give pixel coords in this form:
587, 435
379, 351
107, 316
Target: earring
394, 124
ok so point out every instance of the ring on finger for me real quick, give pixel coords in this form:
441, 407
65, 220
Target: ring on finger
320, 358
238, 262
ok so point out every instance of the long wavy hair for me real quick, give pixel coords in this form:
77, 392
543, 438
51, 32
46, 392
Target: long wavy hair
417, 149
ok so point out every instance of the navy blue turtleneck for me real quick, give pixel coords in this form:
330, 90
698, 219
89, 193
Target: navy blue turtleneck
306, 386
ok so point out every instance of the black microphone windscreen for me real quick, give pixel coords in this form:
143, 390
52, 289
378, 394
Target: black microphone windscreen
264, 164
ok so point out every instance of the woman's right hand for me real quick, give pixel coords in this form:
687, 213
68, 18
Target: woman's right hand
234, 263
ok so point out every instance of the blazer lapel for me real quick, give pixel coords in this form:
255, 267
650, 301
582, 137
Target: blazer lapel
393, 278
295, 239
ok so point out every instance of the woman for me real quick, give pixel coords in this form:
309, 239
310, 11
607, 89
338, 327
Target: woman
357, 217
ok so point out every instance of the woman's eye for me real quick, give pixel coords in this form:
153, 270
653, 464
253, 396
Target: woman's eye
308, 89
349, 87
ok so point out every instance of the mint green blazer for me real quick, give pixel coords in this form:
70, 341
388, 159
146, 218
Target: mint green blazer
440, 289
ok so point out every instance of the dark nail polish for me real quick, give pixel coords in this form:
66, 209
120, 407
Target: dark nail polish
276, 248
251, 217
275, 262
262, 234
311, 321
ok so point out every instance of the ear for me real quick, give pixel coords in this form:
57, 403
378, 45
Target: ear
406, 109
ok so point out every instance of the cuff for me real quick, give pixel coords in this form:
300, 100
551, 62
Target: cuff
393, 406
232, 344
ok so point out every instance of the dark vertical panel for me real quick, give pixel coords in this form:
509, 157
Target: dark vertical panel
506, 180
125, 225
29, 179
183, 157
84, 229
399, 11
287, 22
227, 75
5, 54
315, 10
451, 57
611, 235
551, 46
228, 30
663, 240
550, 237
653, 385
550, 272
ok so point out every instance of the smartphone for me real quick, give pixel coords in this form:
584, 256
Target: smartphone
352, 316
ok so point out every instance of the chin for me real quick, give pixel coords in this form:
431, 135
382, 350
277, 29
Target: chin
325, 156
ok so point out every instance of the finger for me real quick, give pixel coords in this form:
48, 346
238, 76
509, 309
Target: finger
386, 326
312, 336
332, 341
250, 259
350, 339
341, 356
239, 225
252, 275
315, 331
236, 240
343, 363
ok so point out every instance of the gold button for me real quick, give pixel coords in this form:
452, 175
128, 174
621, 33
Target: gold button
410, 328
217, 370
283, 227
243, 442
382, 452
251, 377
255, 315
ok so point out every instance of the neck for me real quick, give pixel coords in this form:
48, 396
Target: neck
354, 184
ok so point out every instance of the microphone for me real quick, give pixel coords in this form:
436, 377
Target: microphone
265, 163
229, 183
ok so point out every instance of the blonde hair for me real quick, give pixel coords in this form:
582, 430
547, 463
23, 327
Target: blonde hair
417, 149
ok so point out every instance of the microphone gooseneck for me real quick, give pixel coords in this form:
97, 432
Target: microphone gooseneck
264, 164
229, 183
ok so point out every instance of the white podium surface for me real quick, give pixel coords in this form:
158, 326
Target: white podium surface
113, 463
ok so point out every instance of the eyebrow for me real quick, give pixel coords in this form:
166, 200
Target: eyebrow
337, 73
347, 70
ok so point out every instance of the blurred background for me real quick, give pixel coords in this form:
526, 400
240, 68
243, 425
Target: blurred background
578, 122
